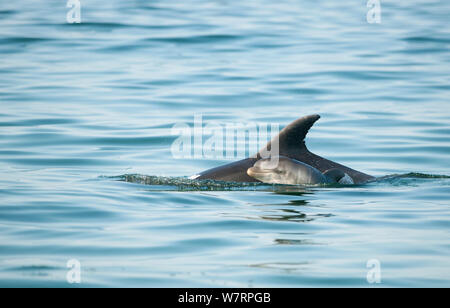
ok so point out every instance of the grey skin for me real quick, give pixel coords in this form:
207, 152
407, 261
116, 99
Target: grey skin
292, 172
291, 142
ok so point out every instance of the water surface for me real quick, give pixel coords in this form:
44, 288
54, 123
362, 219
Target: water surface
83, 105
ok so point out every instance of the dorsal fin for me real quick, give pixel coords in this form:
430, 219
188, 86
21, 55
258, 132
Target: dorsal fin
291, 140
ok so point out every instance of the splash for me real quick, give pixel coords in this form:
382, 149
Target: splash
183, 183
413, 179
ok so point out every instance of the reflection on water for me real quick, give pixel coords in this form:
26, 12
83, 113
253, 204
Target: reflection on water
83, 103
288, 215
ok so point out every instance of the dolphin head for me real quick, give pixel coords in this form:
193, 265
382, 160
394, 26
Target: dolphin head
286, 171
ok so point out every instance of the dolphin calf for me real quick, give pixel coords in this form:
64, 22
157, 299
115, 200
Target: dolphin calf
291, 144
291, 171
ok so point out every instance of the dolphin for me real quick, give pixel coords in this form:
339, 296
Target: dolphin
291, 143
291, 171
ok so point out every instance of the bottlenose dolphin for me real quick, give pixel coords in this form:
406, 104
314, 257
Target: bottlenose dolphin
291, 171
291, 143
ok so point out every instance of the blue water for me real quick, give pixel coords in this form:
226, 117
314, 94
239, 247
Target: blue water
85, 105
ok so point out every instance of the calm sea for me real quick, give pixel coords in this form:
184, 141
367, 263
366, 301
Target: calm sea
84, 106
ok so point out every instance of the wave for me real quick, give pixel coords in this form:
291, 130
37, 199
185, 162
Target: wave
186, 184
414, 175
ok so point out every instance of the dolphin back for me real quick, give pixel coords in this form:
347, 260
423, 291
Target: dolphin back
291, 143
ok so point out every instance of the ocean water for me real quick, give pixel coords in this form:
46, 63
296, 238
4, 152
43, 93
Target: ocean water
87, 171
